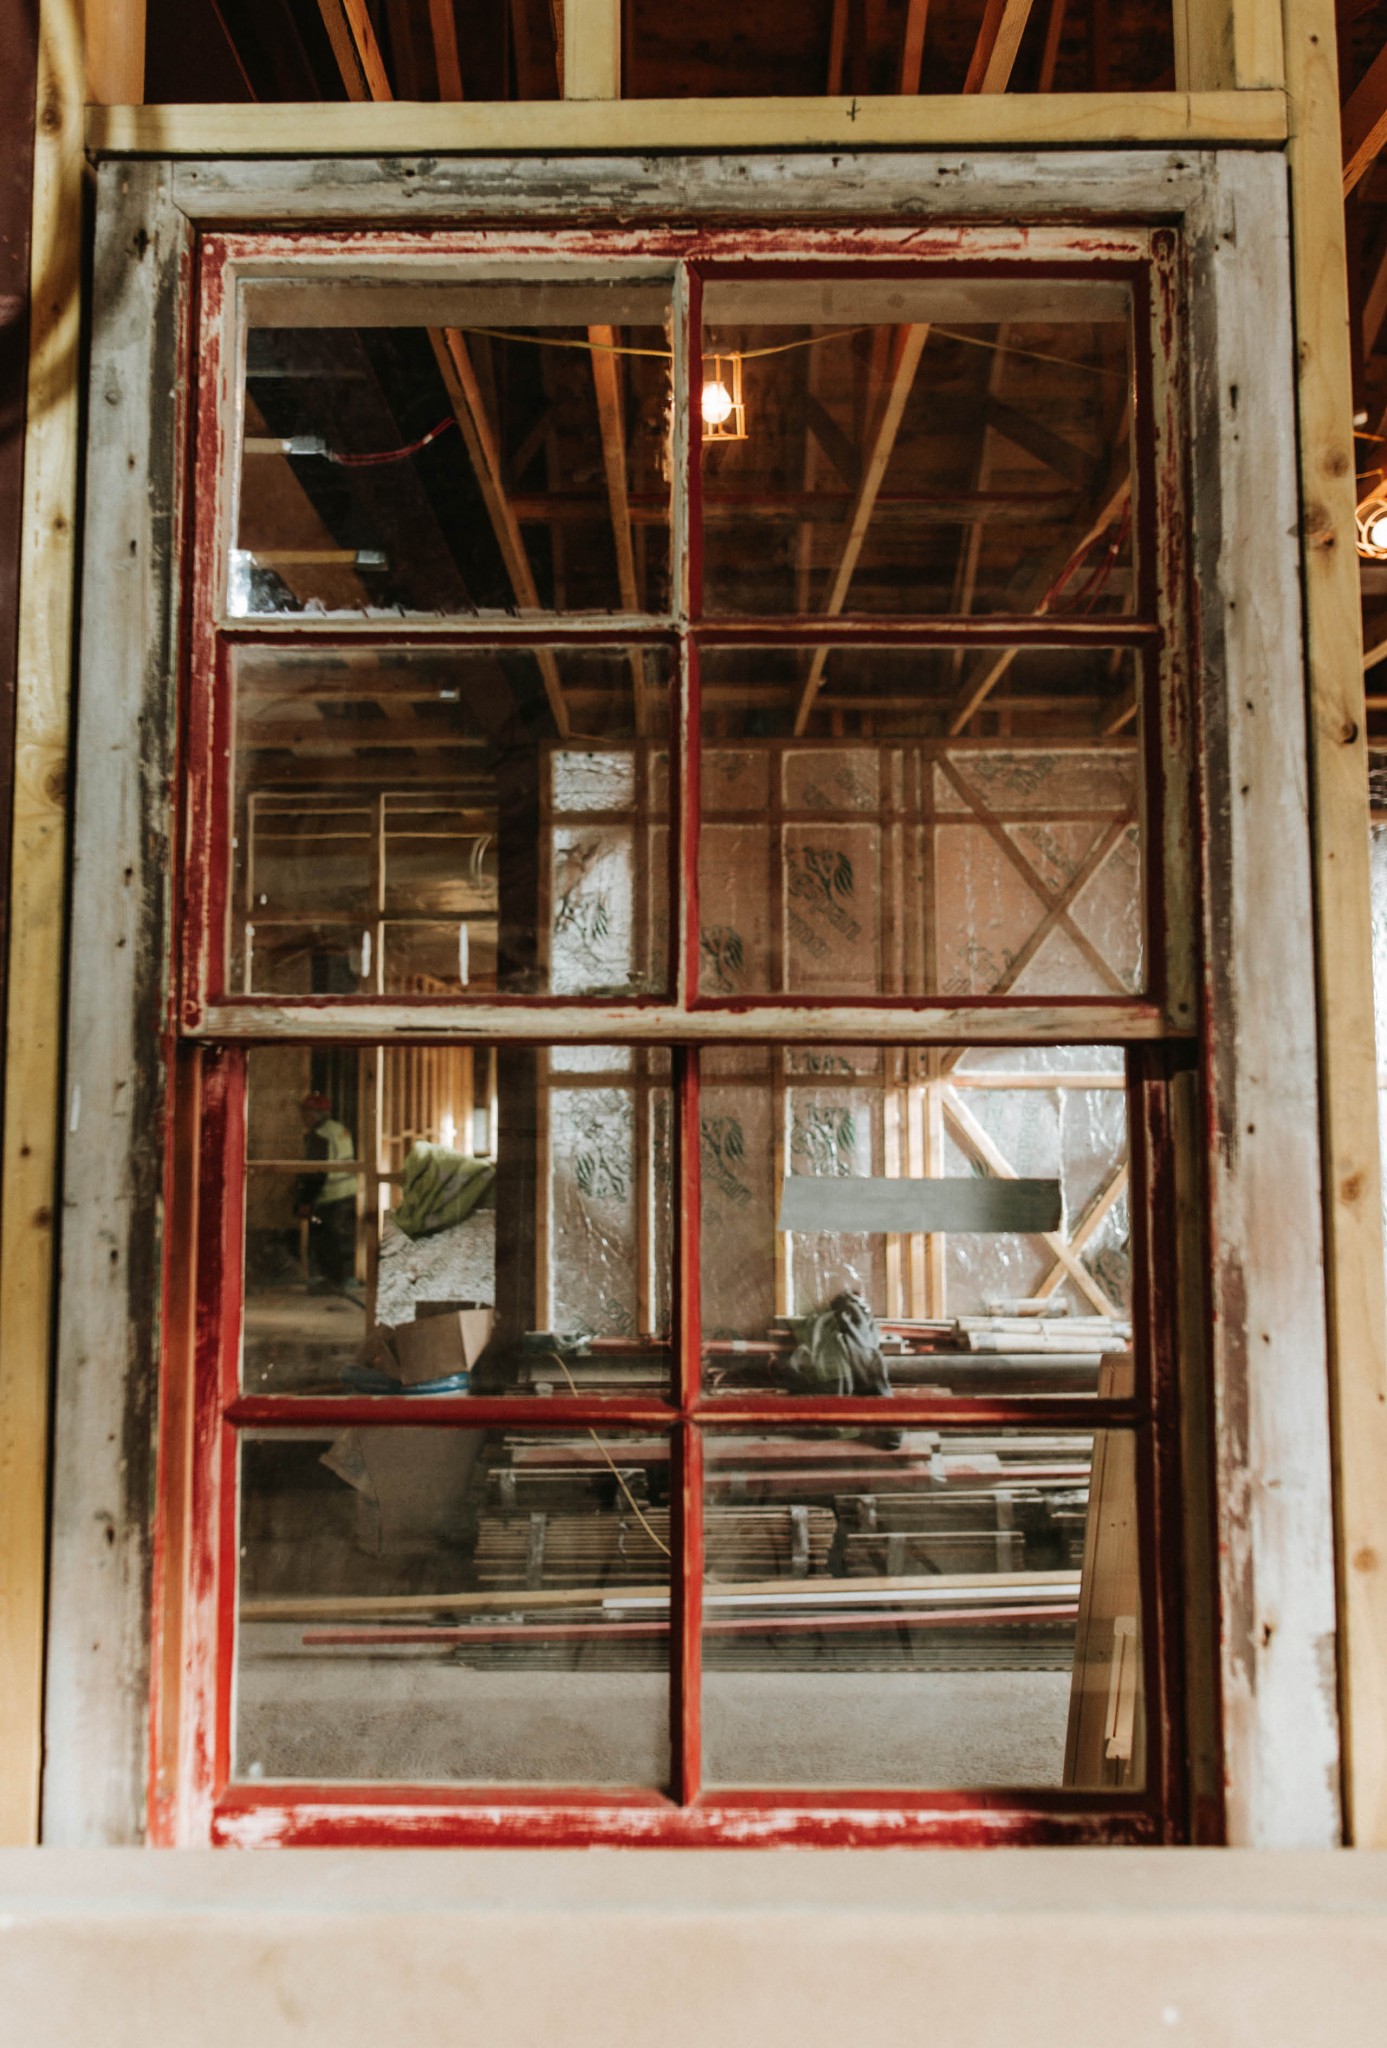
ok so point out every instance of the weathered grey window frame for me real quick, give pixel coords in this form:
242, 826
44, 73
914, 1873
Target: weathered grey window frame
1249, 1201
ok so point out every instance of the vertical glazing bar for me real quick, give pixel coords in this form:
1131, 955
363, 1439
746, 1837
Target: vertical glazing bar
687, 1167
686, 582
686, 1492
685, 841
686, 1632
688, 446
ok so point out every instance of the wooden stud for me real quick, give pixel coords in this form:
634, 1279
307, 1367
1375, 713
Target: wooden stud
38, 892
1228, 45
113, 32
1339, 816
290, 129
591, 49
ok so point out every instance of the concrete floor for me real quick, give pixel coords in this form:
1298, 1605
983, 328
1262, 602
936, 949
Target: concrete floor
411, 1719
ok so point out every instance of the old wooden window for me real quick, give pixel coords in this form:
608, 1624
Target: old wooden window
685, 1400
684, 1309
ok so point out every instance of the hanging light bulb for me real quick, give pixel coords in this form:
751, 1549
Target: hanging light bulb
1372, 523
717, 404
722, 407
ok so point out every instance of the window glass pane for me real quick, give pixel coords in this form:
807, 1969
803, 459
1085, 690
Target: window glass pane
425, 1604
880, 823
466, 450
914, 1218
956, 446
922, 1609
446, 1219
450, 823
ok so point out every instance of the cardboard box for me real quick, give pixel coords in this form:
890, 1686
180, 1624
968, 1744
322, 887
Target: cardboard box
445, 1338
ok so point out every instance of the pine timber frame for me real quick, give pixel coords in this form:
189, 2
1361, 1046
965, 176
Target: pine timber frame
1278, 1744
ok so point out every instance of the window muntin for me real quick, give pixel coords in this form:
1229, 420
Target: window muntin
1019, 1028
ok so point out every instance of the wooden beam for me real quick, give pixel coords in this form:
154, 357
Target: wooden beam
355, 46
912, 44
1374, 305
1357, 1299
1049, 56
355, 49
926, 121
405, 49
38, 896
606, 378
443, 27
469, 408
1232, 45
909, 344
974, 1139
1365, 122
975, 693
998, 44
591, 49
114, 34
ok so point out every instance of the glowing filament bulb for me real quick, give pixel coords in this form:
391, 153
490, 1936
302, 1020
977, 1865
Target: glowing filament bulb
1377, 532
717, 404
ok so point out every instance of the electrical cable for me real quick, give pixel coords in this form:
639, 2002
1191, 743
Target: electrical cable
631, 1498
377, 458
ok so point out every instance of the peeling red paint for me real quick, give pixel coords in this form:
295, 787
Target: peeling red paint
207, 1806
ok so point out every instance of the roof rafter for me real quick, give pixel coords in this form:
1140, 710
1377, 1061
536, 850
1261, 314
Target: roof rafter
363, 73
999, 41
1365, 122
908, 347
606, 378
443, 28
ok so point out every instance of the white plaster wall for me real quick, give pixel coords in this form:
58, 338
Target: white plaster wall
1206, 1948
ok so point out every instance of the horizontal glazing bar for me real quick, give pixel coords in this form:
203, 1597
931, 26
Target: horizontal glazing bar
995, 630
400, 634
563, 1411
554, 630
425, 1020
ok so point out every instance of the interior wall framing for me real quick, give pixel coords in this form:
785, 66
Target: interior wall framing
1280, 1732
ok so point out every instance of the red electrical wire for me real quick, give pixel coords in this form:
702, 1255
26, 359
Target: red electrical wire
384, 455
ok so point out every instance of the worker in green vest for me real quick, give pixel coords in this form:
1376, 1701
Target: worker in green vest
328, 1200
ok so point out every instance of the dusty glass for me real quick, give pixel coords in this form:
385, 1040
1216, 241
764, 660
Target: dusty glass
949, 1609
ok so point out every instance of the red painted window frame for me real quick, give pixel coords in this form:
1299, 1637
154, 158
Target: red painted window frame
192, 1794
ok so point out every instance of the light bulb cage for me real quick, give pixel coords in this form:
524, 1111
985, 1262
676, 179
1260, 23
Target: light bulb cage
727, 371
1371, 514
